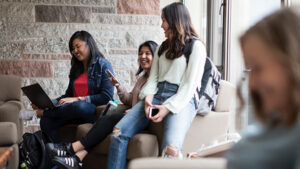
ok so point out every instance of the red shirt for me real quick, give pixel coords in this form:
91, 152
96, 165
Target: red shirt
80, 86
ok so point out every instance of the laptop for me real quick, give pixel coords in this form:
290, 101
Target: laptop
37, 96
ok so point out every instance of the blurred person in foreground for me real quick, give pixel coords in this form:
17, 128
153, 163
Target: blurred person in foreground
271, 52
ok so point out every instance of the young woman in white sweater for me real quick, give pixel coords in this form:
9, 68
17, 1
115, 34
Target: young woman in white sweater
170, 89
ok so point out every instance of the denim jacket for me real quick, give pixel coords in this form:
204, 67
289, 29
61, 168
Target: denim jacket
100, 89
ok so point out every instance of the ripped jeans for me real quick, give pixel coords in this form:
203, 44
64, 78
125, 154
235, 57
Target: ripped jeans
175, 126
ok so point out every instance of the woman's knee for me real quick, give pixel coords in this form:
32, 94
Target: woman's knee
171, 151
47, 125
116, 132
44, 125
84, 107
118, 136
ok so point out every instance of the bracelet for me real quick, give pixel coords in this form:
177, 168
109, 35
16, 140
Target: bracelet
81, 98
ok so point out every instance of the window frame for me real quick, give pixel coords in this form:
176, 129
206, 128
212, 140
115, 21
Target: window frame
212, 14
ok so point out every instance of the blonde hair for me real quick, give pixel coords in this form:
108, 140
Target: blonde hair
281, 32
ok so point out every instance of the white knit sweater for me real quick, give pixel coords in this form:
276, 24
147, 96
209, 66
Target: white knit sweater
176, 71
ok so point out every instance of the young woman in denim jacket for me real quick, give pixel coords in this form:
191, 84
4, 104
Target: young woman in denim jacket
170, 88
70, 155
88, 87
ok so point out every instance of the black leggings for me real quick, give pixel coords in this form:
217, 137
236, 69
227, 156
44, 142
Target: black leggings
100, 130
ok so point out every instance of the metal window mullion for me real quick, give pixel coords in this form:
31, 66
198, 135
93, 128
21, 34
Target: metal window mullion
226, 38
285, 3
209, 32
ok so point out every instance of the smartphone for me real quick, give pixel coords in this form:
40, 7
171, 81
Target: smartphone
108, 72
153, 111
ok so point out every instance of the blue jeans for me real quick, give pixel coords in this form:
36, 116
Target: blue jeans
73, 113
175, 126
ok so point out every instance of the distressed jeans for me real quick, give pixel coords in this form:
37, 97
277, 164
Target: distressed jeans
175, 126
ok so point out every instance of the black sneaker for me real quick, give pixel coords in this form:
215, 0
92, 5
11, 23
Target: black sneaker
60, 149
71, 162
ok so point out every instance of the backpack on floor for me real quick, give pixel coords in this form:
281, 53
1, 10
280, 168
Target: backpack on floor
33, 152
206, 95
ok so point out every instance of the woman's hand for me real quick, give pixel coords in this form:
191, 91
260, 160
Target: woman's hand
68, 100
163, 111
34, 107
39, 112
148, 104
113, 81
192, 155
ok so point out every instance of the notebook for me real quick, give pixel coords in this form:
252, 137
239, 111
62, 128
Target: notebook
38, 96
216, 150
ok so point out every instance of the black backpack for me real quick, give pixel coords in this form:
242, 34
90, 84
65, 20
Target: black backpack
33, 152
206, 95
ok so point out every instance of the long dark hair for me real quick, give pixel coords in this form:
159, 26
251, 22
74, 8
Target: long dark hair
152, 46
180, 28
76, 65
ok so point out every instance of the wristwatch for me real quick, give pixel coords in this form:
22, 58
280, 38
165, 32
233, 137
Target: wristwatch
81, 98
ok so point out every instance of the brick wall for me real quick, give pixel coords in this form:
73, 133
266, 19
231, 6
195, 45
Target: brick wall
34, 37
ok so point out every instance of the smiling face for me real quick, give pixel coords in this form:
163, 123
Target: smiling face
165, 26
145, 58
268, 77
80, 50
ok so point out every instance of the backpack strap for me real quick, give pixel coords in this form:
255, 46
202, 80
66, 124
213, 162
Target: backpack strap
188, 48
39, 137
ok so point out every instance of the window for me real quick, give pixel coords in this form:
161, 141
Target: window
242, 18
218, 31
210, 18
198, 12
220, 24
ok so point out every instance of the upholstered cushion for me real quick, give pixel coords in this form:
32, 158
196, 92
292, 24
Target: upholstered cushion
10, 87
9, 112
205, 130
83, 129
140, 145
8, 133
120, 109
225, 97
163, 163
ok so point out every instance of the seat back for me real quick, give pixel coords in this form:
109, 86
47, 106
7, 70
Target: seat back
225, 97
10, 88
206, 129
